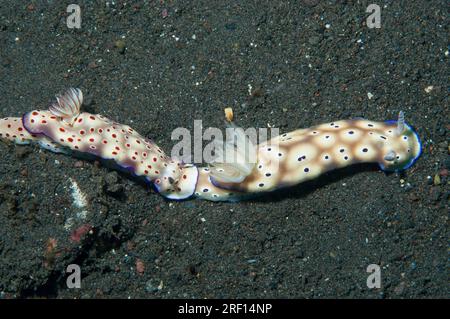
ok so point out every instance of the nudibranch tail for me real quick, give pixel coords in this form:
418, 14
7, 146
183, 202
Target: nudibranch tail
11, 129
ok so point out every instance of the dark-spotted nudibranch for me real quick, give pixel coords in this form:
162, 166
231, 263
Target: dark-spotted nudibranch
304, 154
283, 161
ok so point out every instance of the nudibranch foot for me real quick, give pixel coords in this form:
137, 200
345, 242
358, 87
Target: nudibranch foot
51, 146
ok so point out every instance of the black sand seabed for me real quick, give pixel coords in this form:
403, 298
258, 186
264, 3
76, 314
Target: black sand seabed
159, 65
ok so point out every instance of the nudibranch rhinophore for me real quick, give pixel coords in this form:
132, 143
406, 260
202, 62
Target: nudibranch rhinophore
283, 161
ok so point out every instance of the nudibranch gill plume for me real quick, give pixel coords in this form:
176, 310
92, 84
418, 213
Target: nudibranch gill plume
283, 161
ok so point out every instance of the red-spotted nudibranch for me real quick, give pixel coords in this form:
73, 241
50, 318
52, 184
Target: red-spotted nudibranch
63, 127
241, 169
